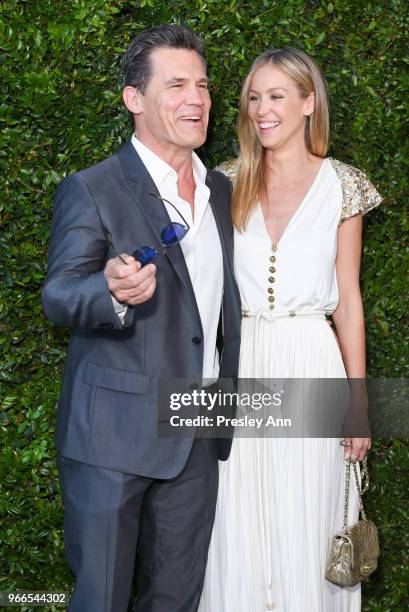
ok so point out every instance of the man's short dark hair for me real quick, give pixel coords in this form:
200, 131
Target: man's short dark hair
137, 64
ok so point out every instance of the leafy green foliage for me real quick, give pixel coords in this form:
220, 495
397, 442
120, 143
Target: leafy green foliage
61, 110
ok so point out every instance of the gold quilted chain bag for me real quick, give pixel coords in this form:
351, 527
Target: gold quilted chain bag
354, 552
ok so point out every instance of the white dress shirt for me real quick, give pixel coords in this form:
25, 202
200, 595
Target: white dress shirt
201, 246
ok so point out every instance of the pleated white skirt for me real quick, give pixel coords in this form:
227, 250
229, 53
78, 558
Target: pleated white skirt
280, 499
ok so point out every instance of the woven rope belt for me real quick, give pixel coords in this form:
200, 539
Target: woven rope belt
264, 313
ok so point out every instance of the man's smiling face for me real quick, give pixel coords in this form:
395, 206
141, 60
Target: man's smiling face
174, 110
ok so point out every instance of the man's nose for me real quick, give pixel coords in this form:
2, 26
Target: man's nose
195, 95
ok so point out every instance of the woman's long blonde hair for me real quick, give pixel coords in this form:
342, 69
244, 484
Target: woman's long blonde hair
309, 79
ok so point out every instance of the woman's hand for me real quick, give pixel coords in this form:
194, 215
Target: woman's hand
356, 448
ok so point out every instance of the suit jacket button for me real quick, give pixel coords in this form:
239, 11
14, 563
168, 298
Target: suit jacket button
196, 340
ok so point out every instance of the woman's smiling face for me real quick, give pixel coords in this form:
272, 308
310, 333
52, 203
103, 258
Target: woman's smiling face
276, 107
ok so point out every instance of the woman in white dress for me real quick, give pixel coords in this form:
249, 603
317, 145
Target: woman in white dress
298, 219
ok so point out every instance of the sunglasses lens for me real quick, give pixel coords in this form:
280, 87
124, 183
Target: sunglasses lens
145, 254
173, 233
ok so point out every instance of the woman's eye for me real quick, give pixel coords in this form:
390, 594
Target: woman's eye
272, 97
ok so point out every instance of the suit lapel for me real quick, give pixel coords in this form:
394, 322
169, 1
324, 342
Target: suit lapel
222, 227
141, 185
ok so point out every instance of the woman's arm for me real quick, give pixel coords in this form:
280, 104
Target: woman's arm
349, 320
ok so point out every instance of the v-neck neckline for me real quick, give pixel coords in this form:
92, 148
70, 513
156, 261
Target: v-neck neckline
297, 210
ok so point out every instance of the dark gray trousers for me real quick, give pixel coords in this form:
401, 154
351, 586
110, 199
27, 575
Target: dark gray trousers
109, 514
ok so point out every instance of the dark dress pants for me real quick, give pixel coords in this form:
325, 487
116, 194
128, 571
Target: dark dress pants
107, 513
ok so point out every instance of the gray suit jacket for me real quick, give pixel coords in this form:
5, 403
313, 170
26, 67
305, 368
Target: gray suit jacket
108, 410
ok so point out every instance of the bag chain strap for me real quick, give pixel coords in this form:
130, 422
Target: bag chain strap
361, 488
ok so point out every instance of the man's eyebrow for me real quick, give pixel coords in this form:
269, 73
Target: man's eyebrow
184, 79
176, 80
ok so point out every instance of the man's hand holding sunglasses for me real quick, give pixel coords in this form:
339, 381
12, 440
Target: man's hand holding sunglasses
128, 281
132, 278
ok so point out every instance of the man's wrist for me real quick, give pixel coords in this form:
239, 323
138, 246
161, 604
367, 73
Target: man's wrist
120, 308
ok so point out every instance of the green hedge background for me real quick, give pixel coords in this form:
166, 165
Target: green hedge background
61, 110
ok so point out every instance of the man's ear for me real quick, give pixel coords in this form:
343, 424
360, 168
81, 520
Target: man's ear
132, 100
309, 104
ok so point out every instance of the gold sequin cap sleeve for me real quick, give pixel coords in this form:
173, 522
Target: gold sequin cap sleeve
229, 168
358, 193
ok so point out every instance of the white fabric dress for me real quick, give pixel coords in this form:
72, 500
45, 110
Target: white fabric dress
281, 499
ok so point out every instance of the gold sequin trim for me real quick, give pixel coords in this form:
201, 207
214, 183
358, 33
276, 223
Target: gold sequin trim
229, 168
358, 193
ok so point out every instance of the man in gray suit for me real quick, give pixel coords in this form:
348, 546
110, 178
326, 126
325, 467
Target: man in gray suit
124, 486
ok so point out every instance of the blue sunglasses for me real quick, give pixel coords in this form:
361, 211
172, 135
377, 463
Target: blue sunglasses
170, 235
